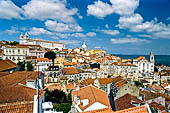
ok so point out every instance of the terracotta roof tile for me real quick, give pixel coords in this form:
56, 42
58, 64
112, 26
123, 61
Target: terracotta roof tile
105, 110
24, 107
7, 64
125, 102
93, 95
120, 83
14, 78
139, 109
16, 94
43, 59
70, 71
140, 58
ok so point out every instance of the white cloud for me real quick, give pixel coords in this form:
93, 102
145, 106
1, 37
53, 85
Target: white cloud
121, 7
135, 24
62, 27
12, 30
99, 9
39, 31
63, 35
97, 47
145, 35
168, 18
78, 35
128, 21
124, 7
107, 26
109, 31
72, 42
79, 16
91, 34
9, 10
128, 40
54, 37
49, 9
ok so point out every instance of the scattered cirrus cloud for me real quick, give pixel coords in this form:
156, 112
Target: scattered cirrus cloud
128, 40
168, 18
91, 34
108, 31
78, 35
12, 30
72, 42
39, 31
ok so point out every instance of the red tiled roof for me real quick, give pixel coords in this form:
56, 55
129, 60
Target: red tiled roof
140, 58
26, 107
125, 102
7, 64
14, 78
68, 63
120, 83
105, 110
70, 71
43, 59
93, 95
103, 81
139, 109
16, 94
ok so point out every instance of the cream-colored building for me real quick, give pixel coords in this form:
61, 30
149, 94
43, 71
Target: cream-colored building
15, 53
24, 39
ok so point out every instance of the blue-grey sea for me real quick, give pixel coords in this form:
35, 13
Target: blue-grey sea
159, 59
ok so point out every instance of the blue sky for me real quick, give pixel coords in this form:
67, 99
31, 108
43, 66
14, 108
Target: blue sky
117, 26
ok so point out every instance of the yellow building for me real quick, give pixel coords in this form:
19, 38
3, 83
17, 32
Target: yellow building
97, 51
59, 61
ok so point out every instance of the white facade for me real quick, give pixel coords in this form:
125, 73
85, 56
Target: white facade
144, 65
43, 43
95, 106
43, 65
15, 53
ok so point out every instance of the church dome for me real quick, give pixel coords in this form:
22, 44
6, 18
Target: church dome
84, 46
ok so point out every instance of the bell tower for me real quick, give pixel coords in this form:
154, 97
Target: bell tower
23, 39
152, 59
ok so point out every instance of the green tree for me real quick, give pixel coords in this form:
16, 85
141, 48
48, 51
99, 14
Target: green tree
50, 55
21, 66
13, 43
65, 107
60, 100
30, 66
138, 84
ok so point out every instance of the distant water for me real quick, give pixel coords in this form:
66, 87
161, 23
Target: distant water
159, 59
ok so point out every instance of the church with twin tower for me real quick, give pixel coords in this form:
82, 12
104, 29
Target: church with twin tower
26, 40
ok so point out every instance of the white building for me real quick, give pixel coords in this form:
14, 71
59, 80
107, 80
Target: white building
15, 53
43, 64
89, 98
43, 43
144, 65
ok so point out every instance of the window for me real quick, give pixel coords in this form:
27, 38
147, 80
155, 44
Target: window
18, 51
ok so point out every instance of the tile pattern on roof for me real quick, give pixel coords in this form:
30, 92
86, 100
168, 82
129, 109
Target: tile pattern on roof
125, 102
7, 64
17, 108
93, 94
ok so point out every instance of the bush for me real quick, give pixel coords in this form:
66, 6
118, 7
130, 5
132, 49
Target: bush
62, 102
